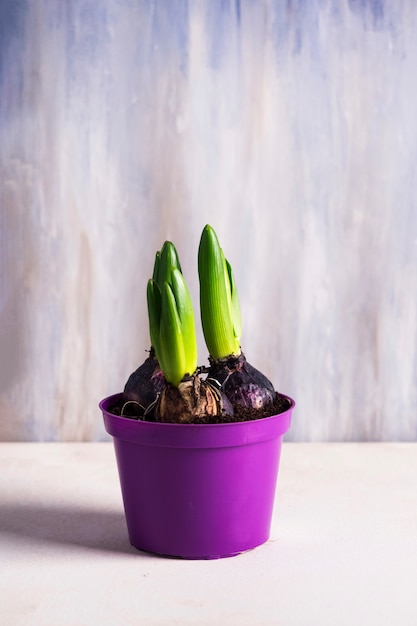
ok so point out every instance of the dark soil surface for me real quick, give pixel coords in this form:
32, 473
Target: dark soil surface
241, 414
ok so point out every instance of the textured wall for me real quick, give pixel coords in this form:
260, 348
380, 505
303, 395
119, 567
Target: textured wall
290, 126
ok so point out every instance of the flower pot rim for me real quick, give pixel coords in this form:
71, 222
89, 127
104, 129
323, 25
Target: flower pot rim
228, 434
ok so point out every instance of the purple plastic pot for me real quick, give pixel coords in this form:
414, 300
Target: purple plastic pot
197, 491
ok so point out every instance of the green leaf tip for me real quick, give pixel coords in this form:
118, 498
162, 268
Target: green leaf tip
219, 302
171, 317
166, 260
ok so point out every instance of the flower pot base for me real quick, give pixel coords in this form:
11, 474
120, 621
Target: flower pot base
195, 558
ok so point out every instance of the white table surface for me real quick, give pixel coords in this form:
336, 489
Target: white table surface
343, 549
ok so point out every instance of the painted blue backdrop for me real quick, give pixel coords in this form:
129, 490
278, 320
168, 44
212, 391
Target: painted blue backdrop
290, 126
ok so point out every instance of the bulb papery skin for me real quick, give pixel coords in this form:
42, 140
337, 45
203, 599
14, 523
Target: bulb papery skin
193, 401
145, 385
243, 384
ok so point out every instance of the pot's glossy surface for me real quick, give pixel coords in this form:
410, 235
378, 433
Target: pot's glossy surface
197, 491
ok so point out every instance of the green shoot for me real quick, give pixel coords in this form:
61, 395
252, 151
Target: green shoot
219, 302
171, 317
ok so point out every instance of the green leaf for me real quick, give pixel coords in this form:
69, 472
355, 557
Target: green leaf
153, 294
219, 304
237, 322
186, 315
171, 353
156, 267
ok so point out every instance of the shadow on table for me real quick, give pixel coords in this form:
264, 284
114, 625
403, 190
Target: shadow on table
91, 529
